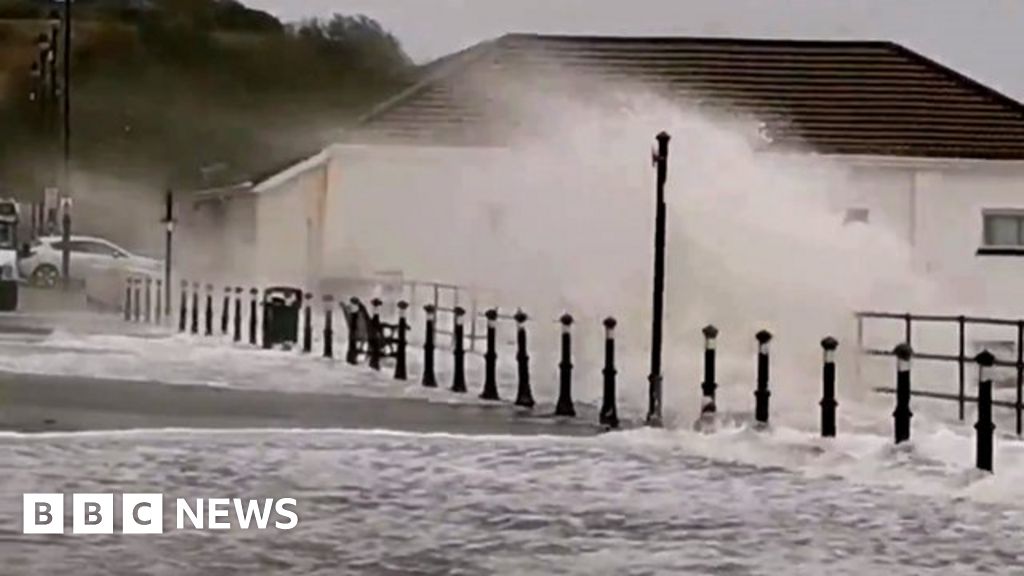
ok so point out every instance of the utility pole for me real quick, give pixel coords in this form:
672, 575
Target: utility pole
654, 413
169, 223
65, 202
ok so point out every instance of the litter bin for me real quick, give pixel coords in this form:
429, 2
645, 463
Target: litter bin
281, 308
8, 295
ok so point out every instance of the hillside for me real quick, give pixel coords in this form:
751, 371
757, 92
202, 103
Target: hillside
164, 88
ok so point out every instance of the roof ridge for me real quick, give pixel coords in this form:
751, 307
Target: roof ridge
702, 39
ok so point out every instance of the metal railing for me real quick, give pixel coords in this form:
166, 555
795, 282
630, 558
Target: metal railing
960, 358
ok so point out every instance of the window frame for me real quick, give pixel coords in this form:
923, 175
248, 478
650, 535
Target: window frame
991, 249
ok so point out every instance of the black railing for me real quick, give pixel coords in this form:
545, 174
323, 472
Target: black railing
960, 358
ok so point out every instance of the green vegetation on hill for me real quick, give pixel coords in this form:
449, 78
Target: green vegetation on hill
165, 88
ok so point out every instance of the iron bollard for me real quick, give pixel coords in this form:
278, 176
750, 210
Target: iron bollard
708, 388
459, 353
490, 391
147, 304
159, 312
429, 378
762, 395
253, 316
225, 312
609, 413
128, 300
564, 406
209, 310
138, 300
195, 307
828, 388
524, 395
401, 373
376, 344
307, 328
352, 356
328, 326
238, 313
183, 307
985, 427
902, 414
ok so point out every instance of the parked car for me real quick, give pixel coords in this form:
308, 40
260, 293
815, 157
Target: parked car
40, 263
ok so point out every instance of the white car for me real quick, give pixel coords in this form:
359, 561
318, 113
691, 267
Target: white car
41, 262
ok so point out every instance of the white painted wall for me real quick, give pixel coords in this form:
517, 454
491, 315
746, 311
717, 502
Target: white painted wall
289, 228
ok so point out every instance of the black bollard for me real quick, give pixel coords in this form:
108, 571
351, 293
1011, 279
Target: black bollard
195, 307
564, 406
985, 427
459, 353
429, 378
352, 356
828, 388
762, 394
238, 313
147, 303
708, 388
225, 312
376, 343
328, 326
609, 413
253, 316
158, 314
401, 373
183, 307
307, 328
902, 414
490, 391
209, 310
128, 300
524, 394
138, 300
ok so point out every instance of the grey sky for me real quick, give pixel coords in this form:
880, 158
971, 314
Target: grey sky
981, 38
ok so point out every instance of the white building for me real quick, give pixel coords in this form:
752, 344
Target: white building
940, 157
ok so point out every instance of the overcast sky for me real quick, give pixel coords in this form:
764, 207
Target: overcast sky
982, 38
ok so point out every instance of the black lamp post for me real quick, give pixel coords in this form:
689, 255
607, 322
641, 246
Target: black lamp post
654, 413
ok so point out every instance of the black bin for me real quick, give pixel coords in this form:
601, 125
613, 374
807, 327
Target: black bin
281, 308
8, 295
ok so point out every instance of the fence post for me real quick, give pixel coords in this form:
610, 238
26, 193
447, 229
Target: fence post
902, 414
209, 310
860, 347
138, 300
490, 391
328, 326
962, 390
524, 395
401, 372
183, 307
762, 395
985, 427
459, 352
1020, 376
908, 322
128, 300
708, 405
307, 325
376, 343
609, 415
429, 378
352, 354
147, 314
225, 312
253, 315
238, 313
828, 385
565, 406
159, 312
195, 308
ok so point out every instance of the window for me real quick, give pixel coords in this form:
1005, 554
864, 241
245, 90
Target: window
861, 215
1002, 232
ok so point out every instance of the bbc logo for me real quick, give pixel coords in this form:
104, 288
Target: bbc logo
93, 514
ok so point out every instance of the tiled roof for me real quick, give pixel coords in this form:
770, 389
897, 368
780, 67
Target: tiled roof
839, 97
